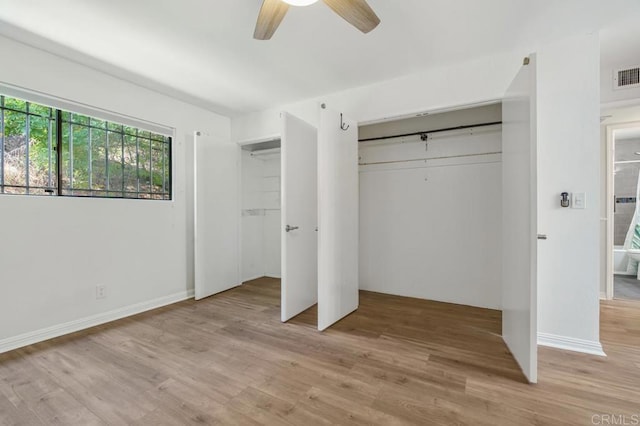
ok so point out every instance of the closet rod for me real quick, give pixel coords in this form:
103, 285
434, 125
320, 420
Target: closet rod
431, 158
269, 151
427, 132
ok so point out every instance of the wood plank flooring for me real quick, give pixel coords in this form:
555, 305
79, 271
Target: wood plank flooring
229, 360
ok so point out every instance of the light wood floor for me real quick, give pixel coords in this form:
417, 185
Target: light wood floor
229, 360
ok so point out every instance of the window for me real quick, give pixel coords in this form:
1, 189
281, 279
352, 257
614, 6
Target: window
27, 140
44, 151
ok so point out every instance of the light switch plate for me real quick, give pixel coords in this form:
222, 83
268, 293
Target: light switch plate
579, 200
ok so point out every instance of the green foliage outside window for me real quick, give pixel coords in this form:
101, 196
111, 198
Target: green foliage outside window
99, 158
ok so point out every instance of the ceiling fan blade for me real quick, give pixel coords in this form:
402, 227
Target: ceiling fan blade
356, 12
271, 14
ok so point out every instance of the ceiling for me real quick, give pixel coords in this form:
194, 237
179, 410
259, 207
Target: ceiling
202, 51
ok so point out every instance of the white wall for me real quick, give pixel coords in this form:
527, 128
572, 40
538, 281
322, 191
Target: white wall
433, 230
260, 216
569, 160
55, 251
466, 83
620, 47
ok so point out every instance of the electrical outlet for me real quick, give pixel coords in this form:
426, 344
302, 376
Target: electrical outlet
100, 292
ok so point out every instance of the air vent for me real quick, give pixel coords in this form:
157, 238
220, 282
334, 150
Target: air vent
627, 78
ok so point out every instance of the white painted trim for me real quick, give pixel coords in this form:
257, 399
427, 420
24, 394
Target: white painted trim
32, 337
570, 344
261, 276
603, 295
255, 277
610, 205
239, 206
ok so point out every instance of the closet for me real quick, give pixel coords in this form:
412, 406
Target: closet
448, 210
260, 210
431, 207
299, 214
284, 207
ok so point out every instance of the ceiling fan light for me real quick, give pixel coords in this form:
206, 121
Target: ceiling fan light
300, 2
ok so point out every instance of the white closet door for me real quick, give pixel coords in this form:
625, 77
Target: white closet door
338, 216
216, 215
519, 218
299, 156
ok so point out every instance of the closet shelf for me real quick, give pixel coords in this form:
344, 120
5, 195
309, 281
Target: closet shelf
626, 162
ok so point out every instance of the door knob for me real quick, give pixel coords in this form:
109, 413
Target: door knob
290, 228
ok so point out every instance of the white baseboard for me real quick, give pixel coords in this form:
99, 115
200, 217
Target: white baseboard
32, 337
570, 344
260, 276
603, 295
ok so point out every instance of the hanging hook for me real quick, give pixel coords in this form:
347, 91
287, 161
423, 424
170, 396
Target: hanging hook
344, 126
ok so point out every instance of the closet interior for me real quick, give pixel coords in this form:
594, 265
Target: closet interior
431, 206
260, 205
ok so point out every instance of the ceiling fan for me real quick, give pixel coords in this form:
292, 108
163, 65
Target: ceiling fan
356, 12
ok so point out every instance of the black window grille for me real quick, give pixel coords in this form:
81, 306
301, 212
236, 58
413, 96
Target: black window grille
46, 151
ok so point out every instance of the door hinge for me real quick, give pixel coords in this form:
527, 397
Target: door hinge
526, 61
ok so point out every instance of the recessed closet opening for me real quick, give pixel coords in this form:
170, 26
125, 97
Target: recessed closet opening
431, 206
260, 209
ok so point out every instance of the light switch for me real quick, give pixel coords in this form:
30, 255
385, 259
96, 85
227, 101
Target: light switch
579, 200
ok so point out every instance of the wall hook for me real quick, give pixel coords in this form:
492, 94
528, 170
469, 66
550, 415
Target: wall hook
344, 126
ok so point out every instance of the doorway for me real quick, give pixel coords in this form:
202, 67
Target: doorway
623, 279
279, 214
430, 192
260, 210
